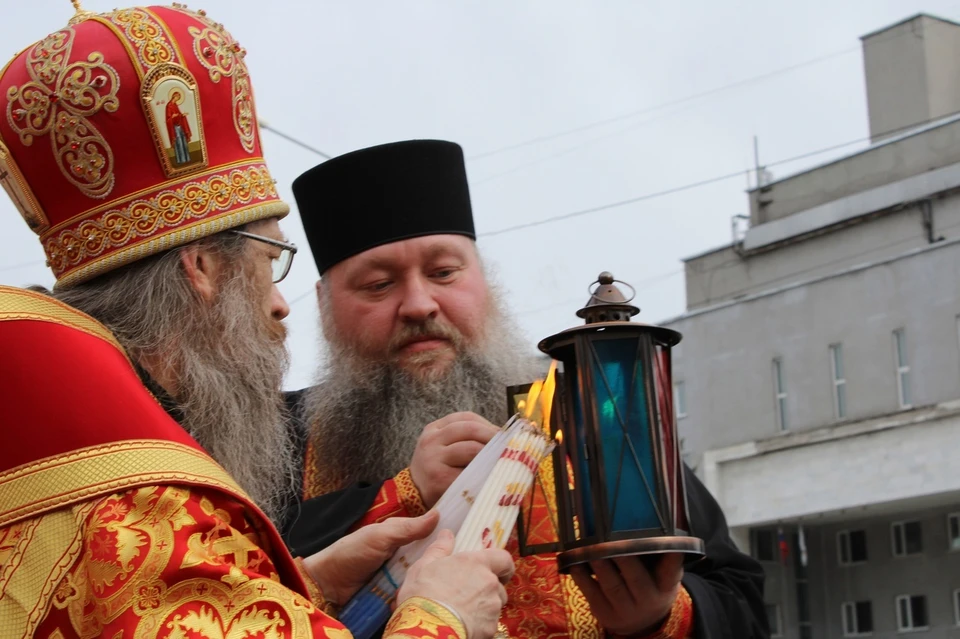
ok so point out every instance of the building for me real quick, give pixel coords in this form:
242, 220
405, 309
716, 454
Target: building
818, 380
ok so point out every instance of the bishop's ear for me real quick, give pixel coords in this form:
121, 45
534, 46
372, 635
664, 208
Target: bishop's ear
201, 266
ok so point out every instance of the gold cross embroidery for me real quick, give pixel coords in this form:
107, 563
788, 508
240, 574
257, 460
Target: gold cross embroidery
223, 57
59, 99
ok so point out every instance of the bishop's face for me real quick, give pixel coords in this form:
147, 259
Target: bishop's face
416, 303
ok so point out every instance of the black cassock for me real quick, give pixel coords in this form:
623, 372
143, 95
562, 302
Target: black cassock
726, 585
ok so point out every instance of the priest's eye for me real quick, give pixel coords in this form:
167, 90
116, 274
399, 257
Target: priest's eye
378, 287
445, 273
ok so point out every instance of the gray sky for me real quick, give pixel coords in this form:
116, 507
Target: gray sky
345, 75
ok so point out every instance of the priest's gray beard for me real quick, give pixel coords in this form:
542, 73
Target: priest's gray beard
227, 357
366, 415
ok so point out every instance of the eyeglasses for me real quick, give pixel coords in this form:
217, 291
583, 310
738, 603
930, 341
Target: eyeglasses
279, 265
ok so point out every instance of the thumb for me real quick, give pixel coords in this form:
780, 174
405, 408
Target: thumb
400, 531
442, 547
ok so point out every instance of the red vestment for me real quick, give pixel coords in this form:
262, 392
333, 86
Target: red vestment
115, 523
542, 603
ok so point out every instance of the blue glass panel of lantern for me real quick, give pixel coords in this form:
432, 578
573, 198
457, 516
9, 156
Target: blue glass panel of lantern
621, 398
582, 467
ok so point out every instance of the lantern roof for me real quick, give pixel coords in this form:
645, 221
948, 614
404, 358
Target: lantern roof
608, 309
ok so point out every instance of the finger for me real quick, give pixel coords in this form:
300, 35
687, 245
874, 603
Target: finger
669, 572
460, 454
452, 418
459, 416
611, 582
591, 590
637, 579
442, 547
466, 431
499, 562
503, 595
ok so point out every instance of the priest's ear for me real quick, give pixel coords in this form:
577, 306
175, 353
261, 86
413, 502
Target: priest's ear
201, 265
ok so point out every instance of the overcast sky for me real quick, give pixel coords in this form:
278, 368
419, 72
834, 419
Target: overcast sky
489, 75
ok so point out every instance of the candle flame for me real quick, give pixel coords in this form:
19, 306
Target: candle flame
546, 395
559, 437
540, 396
529, 406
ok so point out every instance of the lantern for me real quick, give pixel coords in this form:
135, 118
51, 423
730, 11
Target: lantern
614, 486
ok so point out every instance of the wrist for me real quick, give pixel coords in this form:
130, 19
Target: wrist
315, 588
678, 624
413, 611
409, 494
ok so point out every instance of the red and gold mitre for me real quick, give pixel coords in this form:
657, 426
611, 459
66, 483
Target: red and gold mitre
128, 133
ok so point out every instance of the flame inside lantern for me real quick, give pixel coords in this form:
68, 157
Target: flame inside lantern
539, 401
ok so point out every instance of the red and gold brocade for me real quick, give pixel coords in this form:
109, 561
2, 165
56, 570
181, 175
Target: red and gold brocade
171, 562
542, 603
102, 535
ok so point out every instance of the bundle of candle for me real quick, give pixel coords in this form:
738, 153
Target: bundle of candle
480, 507
494, 512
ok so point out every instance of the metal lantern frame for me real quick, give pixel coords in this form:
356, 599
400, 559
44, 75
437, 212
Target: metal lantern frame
590, 500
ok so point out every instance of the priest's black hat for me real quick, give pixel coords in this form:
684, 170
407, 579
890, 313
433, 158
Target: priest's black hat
383, 194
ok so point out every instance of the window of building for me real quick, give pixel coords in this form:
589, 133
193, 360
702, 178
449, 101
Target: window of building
903, 368
680, 399
907, 538
763, 545
956, 606
857, 618
839, 381
780, 391
953, 531
852, 547
912, 612
776, 623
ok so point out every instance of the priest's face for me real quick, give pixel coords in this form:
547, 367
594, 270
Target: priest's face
417, 303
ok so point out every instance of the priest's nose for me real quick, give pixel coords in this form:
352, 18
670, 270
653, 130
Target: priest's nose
417, 304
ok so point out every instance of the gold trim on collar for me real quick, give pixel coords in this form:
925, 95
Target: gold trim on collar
96, 471
21, 304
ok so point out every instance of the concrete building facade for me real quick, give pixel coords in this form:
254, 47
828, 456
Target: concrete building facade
818, 381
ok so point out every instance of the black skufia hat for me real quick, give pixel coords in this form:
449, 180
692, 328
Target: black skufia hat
383, 194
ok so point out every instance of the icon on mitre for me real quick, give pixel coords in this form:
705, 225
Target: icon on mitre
173, 109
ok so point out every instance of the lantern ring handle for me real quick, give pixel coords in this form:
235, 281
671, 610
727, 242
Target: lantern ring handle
592, 291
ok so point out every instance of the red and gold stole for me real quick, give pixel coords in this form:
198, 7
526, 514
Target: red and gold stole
78, 425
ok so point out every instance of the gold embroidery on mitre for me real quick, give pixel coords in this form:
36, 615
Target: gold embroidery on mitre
80, 15
223, 57
20, 192
171, 103
145, 33
167, 209
59, 99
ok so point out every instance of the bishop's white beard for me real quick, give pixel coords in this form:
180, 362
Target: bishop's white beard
366, 415
227, 359
231, 361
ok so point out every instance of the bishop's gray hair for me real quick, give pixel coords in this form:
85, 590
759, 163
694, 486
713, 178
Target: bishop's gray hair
228, 360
